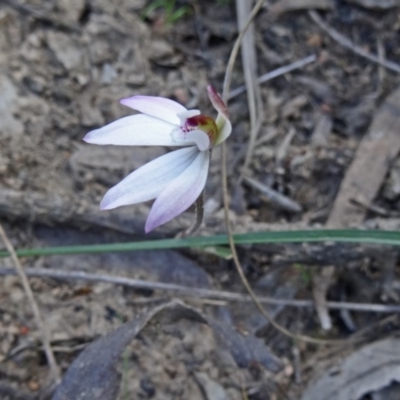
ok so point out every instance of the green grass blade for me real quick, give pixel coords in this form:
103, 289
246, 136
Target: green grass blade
304, 236
219, 251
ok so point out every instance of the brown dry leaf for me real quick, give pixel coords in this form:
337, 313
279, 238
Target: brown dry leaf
93, 374
374, 155
212, 390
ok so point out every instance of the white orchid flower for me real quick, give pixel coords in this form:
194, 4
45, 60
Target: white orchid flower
175, 179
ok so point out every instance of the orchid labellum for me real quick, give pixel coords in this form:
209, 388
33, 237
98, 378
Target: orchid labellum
176, 179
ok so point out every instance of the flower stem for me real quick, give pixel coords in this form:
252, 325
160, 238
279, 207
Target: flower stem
199, 215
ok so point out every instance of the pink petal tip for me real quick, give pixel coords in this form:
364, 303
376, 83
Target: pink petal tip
217, 101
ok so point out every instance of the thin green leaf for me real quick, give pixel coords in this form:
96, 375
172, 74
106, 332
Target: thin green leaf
305, 236
178, 14
152, 7
219, 251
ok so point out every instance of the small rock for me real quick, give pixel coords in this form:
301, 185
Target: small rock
315, 40
71, 10
34, 385
91, 116
160, 50
101, 51
9, 125
83, 79
65, 49
17, 295
211, 389
136, 79
108, 74
148, 387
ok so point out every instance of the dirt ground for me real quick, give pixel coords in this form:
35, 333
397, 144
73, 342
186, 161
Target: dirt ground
327, 154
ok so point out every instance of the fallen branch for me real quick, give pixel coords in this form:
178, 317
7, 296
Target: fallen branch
195, 292
278, 199
225, 195
35, 308
345, 42
275, 73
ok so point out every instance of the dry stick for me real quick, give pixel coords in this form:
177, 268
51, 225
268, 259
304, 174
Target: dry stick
36, 312
196, 292
254, 130
345, 42
199, 215
275, 73
232, 246
248, 57
278, 199
382, 56
238, 266
254, 99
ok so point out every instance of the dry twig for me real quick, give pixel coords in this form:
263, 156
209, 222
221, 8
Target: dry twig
224, 176
278, 199
249, 61
194, 292
382, 56
275, 73
321, 284
199, 205
35, 308
345, 42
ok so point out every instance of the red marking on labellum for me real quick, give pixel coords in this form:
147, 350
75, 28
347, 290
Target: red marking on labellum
202, 123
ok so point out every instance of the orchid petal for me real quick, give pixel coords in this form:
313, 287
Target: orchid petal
194, 137
225, 128
222, 121
200, 138
181, 193
183, 116
136, 130
157, 107
148, 181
